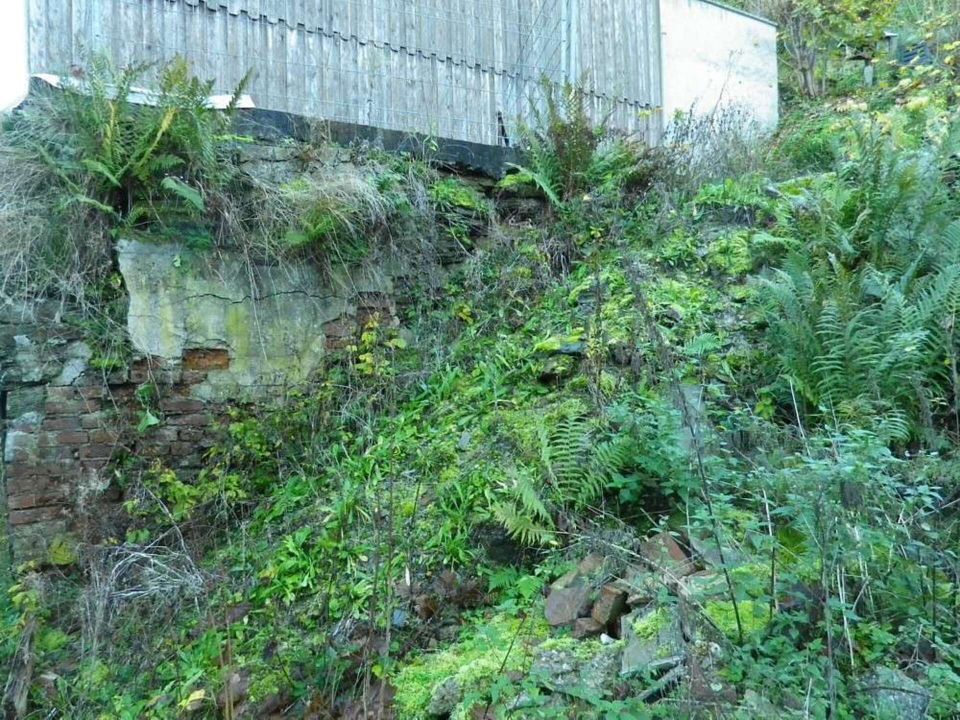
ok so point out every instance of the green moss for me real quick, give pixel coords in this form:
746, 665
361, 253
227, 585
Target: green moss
62, 551
730, 255
651, 624
475, 662
452, 193
582, 650
754, 616
553, 344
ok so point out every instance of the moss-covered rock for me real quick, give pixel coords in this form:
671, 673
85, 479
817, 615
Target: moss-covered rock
452, 680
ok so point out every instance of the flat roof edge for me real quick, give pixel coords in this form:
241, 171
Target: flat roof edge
738, 11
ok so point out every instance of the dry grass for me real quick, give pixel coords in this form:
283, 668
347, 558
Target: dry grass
49, 246
148, 577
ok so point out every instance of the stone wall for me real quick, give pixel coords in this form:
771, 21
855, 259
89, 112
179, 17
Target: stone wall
206, 330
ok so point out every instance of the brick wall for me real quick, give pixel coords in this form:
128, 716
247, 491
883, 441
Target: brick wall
66, 426
62, 441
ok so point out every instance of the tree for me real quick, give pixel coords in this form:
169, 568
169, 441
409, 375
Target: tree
811, 31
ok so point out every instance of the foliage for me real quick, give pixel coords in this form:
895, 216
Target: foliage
84, 160
561, 144
480, 657
862, 313
753, 351
812, 30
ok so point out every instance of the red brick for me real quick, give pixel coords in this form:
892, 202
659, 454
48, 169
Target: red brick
41, 498
20, 470
61, 393
91, 405
62, 423
21, 502
97, 451
182, 405
206, 359
72, 437
122, 393
35, 515
194, 419
31, 485
63, 407
94, 392
104, 437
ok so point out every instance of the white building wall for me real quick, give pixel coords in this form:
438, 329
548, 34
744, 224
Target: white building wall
713, 56
13, 54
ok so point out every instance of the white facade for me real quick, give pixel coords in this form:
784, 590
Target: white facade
13, 54
713, 56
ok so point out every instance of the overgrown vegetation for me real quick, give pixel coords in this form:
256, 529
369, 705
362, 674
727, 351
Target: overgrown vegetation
752, 348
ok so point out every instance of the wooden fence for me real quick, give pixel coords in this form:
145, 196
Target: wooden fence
459, 69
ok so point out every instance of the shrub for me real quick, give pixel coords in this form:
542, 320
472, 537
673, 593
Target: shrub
862, 313
80, 162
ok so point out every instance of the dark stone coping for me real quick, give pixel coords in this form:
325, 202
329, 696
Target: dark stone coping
488, 160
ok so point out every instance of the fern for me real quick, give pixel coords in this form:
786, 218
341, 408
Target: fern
523, 513
575, 470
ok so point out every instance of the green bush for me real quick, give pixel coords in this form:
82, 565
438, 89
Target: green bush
862, 313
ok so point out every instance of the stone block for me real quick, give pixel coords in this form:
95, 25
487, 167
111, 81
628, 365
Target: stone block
78, 355
23, 400
564, 605
586, 627
28, 422
20, 447
611, 604
664, 553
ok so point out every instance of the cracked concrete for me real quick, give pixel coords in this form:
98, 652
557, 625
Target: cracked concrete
182, 299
